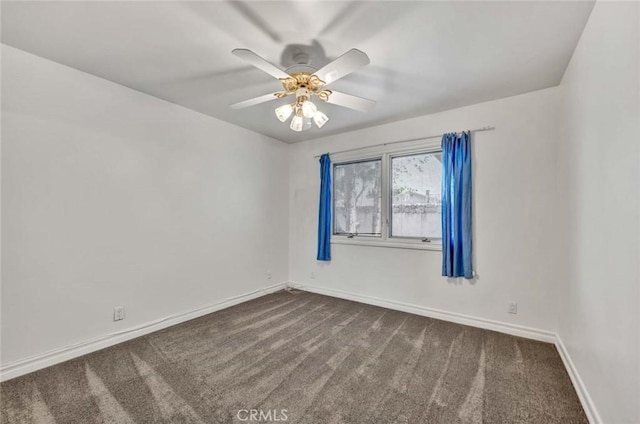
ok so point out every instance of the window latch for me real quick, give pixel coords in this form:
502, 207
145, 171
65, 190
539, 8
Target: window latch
350, 235
426, 240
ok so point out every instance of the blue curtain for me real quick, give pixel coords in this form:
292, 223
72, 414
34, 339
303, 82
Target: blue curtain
324, 218
456, 206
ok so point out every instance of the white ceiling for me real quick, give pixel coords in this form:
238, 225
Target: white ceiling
425, 56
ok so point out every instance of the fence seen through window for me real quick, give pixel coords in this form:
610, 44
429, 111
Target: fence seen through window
416, 186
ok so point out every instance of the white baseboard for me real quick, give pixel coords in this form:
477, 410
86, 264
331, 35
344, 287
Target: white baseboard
502, 327
34, 363
586, 401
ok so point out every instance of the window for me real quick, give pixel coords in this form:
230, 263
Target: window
416, 183
358, 198
389, 198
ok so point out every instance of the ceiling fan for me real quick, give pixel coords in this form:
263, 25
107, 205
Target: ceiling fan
304, 82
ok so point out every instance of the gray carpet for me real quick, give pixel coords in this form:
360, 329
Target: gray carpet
321, 359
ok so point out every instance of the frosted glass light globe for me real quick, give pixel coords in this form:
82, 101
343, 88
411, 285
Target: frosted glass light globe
308, 109
320, 119
297, 123
284, 112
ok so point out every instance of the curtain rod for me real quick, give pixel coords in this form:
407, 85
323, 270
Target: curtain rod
402, 141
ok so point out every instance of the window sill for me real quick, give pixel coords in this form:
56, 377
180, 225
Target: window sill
389, 244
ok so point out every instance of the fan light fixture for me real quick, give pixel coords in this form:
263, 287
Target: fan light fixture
305, 85
303, 111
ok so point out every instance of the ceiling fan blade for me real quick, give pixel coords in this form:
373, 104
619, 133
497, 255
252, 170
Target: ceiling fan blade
257, 100
344, 65
260, 63
352, 102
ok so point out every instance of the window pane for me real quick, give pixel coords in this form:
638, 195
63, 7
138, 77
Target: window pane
416, 184
357, 198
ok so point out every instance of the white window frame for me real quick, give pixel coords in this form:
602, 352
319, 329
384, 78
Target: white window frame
385, 154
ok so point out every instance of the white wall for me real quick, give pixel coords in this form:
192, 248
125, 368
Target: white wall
515, 219
600, 184
112, 197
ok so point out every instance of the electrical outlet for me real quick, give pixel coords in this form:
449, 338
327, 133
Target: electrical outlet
313, 275
268, 275
118, 313
512, 307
